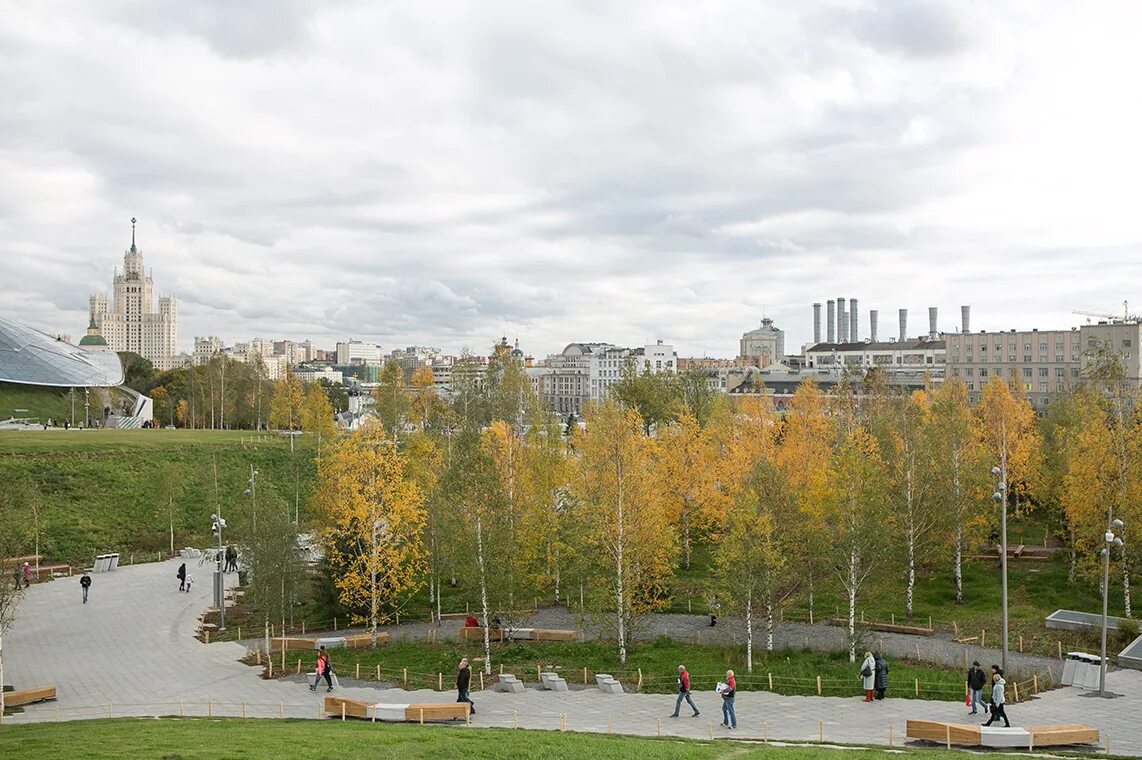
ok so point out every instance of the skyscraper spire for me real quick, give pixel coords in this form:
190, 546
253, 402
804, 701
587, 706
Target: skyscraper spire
133, 235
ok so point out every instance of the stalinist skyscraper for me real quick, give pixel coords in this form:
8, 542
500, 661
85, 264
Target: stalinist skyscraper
132, 324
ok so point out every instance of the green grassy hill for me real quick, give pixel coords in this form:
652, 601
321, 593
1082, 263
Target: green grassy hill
100, 489
39, 401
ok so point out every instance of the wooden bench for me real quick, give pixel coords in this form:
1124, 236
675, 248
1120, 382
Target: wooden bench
524, 634
390, 712
549, 634
1030, 737
364, 640
916, 630
28, 696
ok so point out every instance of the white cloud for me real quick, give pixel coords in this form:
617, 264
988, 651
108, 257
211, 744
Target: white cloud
569, 171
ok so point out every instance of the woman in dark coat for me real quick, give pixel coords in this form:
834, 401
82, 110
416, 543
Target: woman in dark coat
181, 575
881, 673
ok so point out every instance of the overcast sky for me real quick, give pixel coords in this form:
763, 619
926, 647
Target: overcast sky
446, 173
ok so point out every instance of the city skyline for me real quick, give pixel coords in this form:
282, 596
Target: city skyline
593, 174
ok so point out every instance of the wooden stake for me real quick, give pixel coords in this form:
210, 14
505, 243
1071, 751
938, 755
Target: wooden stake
302, 627
373, 716
818, 686
1035, 683
917, 651
243, 708
358, 670
917, 687
770, 681
481, 680
1020, 644
335, 623
929, 622
440, 682
894, 618
710, 730
1060, 643
765, 731
821, 731
983, 637
378, 671
281, 709
299, 665
538, 678
810, 617
584, 676
689, 608
659, 722
956, 628
889, 734
404, 672
422, 716
207, 632
948, 735
1016, 685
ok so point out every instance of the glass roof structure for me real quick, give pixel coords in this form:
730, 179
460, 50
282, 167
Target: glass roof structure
31, 357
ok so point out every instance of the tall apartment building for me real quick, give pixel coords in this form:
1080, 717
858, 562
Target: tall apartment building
585, 372
1044, 362
130, 322
359, 352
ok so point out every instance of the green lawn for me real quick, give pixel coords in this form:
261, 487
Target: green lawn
191, 739
99, 489
41, 402
792, 671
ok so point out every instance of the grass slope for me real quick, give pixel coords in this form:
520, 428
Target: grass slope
41, 402
99, 488
191, 739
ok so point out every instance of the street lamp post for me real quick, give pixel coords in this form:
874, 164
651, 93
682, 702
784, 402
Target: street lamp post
217, 526
1111, 541
1000, 498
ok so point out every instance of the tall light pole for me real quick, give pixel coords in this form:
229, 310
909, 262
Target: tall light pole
1111, 541
1000, 498
217, 526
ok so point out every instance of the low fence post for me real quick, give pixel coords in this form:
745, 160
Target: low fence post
889, 734
917, 687
770, 681
818, 686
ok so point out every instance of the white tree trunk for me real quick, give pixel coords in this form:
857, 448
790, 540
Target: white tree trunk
1, 674
170, 509
557, 576
958, 563
769, 624
483, 594
619, 599
1125, 582
852, 591
749, 631
911, 571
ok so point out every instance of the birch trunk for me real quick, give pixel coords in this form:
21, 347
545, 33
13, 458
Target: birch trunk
1072, 567
1, 675
749, 631
958, 563
483, 594
911, 546
1125, 582
769, 624
620, 537
852, 591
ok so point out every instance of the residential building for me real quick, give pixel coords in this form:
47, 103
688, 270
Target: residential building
314, 374
413, 357
130, 322
1044, 363
205, 348
766, 344
1119, 336
359, 352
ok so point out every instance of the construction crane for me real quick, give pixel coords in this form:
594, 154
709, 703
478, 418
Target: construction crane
1126, 316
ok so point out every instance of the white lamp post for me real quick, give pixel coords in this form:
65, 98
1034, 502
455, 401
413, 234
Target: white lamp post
1111, 541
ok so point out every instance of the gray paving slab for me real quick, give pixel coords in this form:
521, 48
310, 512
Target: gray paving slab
131, 651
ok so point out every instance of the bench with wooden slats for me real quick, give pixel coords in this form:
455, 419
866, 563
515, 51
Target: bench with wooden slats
28, 696
392, 712
1029, 737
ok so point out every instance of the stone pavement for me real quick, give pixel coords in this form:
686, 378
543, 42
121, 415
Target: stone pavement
131, 651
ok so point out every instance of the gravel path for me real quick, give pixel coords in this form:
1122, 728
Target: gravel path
938, 649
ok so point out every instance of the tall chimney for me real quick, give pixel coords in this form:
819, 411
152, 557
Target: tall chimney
816, 323
854, 334
842, 322
933, 333
872, 317
903, 325
965, 318
830, 318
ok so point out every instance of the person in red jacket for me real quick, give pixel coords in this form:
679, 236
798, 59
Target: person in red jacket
684, 692
323, 669
471, 621
729, 717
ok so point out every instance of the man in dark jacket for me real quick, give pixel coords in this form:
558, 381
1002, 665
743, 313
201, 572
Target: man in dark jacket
463, 681
880, 682
976, 679
85, 583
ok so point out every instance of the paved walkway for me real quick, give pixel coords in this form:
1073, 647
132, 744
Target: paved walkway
131, 651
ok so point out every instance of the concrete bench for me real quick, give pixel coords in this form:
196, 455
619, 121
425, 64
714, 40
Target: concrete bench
329, 642
552, 682
395, 713
28, 696
312, 679
364, 640
509, 683
1030, 737
607, 684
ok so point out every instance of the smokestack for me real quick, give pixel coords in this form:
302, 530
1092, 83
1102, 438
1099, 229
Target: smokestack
903, 325
830, 318
816, 323
854, 319
872, 317
965, 318
842, 322
932, 332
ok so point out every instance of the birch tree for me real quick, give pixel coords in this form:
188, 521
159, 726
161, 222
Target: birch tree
758, 552
11, 545
625, 523
286, 405
169, 490
959, 468
317, 415
683, 467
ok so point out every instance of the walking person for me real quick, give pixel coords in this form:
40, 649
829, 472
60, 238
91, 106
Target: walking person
85, 584
231, 559
997, 697
976, 679
729, 717
714, 610
463, 681
181, 575
868, 675
880, 680
324, 669
684, 693
27, 575
189, 582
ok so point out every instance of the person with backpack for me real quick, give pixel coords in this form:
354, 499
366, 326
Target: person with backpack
997, 697
684, 693
85, 584
181, 575
324, 668
976, 679
868, 675
729, 717
463, 682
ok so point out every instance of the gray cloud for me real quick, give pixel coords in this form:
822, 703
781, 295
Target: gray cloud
590, 171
